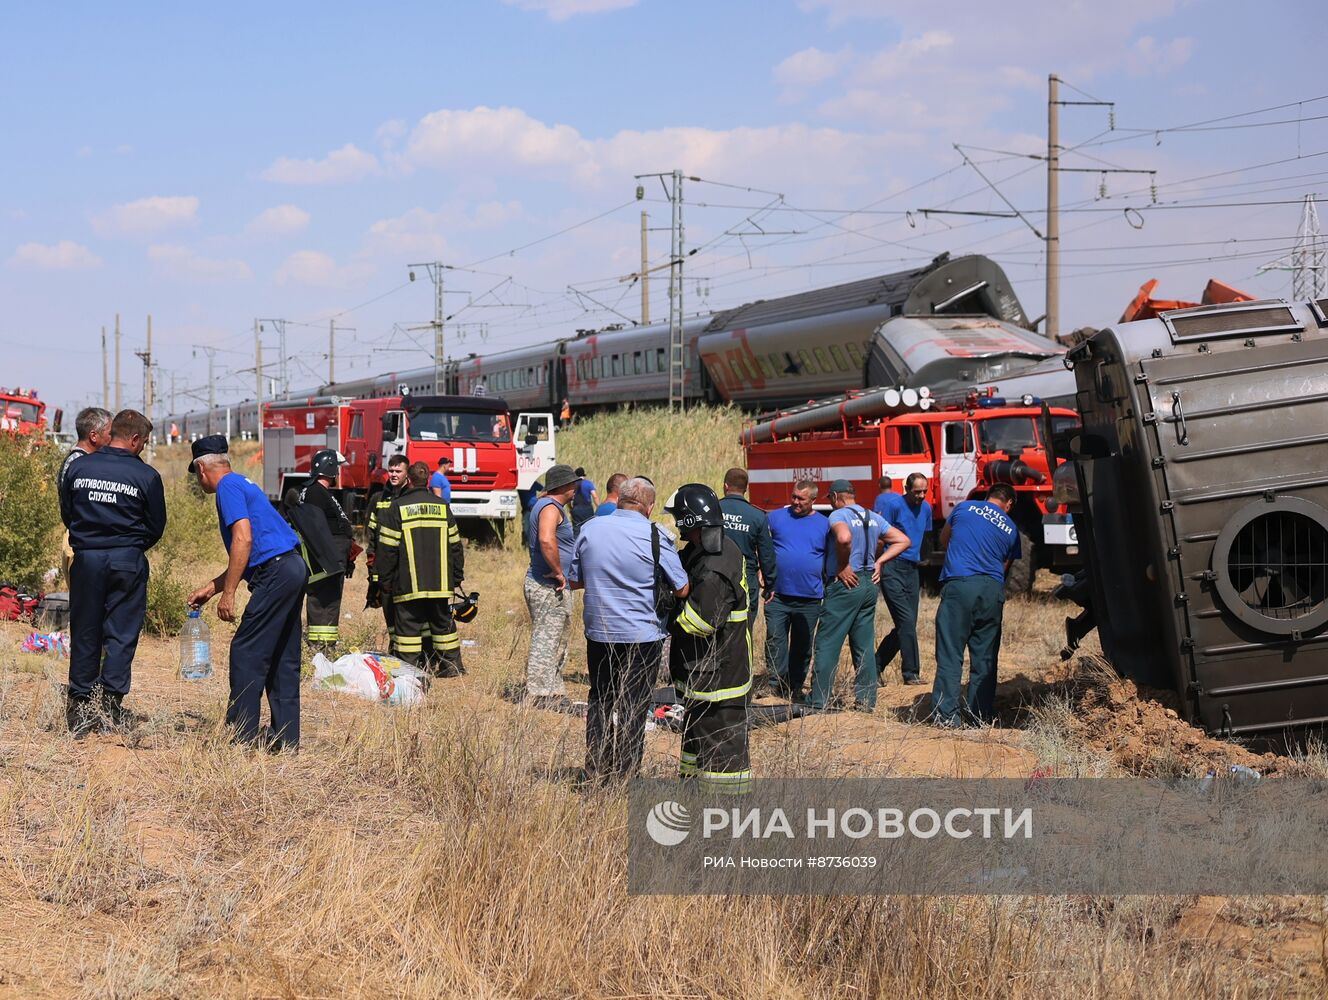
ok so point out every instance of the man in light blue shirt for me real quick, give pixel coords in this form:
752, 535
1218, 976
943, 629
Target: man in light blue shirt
911, 513
614, 562
858, 538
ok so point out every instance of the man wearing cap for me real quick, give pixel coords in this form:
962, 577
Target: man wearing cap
549, 538
115, 510
262, 550
439, 485
857, 538
323, 611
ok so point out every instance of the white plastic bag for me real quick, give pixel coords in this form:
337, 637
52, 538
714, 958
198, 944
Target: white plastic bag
359, 674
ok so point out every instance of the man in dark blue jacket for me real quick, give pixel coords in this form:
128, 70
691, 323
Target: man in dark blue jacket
746, 525
115, 511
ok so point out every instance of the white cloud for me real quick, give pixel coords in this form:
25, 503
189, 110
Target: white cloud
839, 11
320, 270
810, 66
420, 232
63, 256
507, 142
349, 163
147, 216
904, 58
390, 132
183, 264
1147, 56
561, 10
280, 220
448, 137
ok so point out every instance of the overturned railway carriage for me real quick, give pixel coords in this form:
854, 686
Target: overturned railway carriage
952, 324
1203, 476
814, 344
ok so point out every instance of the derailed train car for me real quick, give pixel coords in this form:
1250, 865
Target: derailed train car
1202, 476
954, 322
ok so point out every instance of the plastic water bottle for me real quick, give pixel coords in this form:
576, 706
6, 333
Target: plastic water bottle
195, 649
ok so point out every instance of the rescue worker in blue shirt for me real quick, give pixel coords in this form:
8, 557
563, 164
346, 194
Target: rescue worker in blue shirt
115, 510
799, 533
439, 484
911, 513
980, 542
749, 529
857, 538
264, 551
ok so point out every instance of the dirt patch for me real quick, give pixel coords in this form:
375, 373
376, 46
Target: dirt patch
1140, 731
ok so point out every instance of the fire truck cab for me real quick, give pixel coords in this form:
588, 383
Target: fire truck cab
962, 449
23, 414
491, 457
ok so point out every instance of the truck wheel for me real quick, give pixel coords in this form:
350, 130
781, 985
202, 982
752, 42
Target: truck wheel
1022, 571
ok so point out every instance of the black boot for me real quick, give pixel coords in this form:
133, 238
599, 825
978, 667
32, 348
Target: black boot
116, 715
81, 716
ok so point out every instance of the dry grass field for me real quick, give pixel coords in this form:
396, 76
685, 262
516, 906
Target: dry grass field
445, 851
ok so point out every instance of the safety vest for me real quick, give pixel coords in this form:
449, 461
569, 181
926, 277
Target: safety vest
419, 548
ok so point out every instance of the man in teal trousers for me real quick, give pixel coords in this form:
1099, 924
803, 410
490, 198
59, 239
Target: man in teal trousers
858, 537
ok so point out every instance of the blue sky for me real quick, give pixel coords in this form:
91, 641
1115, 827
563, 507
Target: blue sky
210, 165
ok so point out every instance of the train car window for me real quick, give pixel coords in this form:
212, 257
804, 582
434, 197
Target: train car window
838, 357
822, 359
764, 365
650, 361
636, 363
805, 364
660, 363
854, 355
617, 364
779, 365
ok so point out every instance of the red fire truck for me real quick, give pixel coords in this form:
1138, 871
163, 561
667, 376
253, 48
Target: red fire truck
962, 448
23, 414
491, 457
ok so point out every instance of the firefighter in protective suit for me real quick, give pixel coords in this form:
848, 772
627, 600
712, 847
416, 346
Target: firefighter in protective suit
323, 605
420, 564
710, 657
396, 482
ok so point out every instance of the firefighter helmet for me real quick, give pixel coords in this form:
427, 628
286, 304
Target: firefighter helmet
695, 505
326, 462
466, 606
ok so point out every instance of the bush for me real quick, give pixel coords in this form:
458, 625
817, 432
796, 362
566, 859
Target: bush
29, 511
188, 554
167, 594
